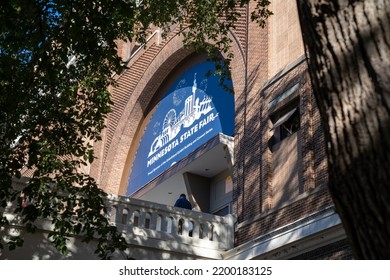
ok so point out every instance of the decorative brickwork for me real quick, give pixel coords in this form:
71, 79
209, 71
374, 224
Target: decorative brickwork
253, 194
312, 160
267, 78
138, 89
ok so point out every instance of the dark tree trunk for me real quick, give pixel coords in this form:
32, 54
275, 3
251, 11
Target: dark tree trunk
348, 47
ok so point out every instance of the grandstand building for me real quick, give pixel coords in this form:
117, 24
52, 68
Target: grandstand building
252, 163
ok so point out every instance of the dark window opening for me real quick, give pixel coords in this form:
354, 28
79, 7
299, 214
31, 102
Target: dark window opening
291, 126
285, 124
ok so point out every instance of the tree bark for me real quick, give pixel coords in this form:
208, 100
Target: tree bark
348, 48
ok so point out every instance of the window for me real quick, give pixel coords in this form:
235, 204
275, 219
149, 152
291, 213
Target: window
285, 153
285, 123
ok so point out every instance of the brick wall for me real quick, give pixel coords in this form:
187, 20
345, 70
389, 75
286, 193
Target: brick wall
273, 68
139, 89
285, 39
339, 250
267, 63
312, 161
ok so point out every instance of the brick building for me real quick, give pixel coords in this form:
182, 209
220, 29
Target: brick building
258, 154
272, 170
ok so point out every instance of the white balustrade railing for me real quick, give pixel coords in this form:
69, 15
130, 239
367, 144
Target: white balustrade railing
165, 222
153, 231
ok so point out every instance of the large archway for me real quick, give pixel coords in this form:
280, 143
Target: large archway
186, 144
132, 109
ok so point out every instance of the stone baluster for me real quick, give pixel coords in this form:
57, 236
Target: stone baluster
167, 219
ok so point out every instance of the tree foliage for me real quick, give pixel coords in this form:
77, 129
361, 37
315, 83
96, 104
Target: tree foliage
57, 60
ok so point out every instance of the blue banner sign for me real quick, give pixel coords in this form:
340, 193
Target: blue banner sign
195, 109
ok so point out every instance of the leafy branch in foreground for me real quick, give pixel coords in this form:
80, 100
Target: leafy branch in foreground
57, 60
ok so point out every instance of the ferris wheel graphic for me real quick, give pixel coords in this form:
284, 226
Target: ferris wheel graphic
170, 119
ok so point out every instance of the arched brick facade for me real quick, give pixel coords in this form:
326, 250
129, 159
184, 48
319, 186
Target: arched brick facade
261, 77
132, 99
